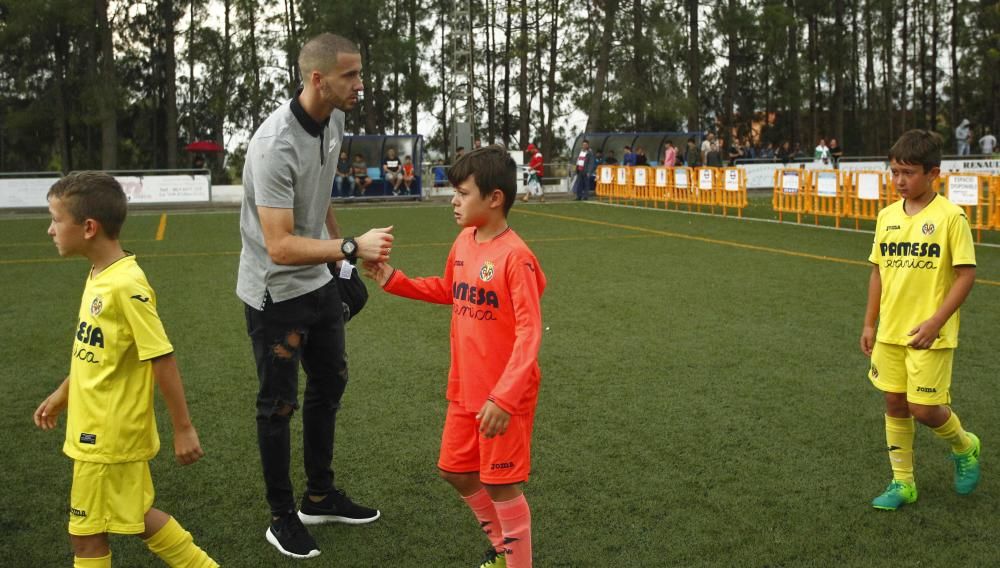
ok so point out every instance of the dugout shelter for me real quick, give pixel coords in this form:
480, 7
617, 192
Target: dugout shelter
373, 150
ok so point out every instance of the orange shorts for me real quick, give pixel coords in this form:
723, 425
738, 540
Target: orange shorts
501, 460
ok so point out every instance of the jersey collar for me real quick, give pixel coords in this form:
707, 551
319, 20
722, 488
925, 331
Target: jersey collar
315, 129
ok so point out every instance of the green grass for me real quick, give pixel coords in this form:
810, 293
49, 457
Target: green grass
702, 403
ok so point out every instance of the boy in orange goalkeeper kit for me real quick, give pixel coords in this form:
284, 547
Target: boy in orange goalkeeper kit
119, 351
494, 284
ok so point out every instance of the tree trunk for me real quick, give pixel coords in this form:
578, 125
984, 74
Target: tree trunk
547, 140
538, 71
594, 116
922, 19
508, 30
956, 89
870, 134
491, 70
693, 69
837, 61
888, 70
169, 83
903, 84
814, 93
793, 87
732, 49
935, 19
292, 47
524, 109
60, 46
107, 102
413, 69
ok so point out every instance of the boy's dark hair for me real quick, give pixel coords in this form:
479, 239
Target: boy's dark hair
918, 147
93, 195
493, 168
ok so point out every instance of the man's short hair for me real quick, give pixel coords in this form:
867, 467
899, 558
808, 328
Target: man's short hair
493, 169
918, 147
320, 53
93, 195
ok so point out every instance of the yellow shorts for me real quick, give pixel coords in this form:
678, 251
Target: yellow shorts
109, 498
923, 374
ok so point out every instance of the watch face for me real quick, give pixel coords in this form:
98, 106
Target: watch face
349, 247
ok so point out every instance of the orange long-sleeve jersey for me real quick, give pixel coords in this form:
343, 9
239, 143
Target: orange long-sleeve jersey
495, 289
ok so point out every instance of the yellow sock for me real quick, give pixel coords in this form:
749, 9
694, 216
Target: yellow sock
899, 438
175, 546
102, 562
953, 432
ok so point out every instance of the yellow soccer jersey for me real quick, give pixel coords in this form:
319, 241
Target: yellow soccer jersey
916, 257
110, 417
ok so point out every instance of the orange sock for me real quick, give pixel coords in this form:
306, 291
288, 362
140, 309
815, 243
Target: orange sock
515, 518
486, 514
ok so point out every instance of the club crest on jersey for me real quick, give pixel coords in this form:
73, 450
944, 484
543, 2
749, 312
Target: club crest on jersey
487, 272
96, 306
928, 229
874, 371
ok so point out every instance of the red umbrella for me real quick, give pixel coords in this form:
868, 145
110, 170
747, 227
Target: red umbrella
204, 146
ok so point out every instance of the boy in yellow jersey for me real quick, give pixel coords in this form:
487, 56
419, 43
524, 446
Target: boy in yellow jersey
924, 267
119, 350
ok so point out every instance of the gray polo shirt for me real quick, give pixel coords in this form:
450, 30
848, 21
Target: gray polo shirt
290, 164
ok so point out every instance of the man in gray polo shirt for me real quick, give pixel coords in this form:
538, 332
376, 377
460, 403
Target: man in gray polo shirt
293, 309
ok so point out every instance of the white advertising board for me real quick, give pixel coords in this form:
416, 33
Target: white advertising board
622, 176
639, 177
732, 179
868, 186
165, 189
17, 193
681, 177
826, 184
606, 175
790, 182
705, 179
963, 190
661, 177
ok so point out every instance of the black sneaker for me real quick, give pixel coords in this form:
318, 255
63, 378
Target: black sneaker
336, 507
291, 538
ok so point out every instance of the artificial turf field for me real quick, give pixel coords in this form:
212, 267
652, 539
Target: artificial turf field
704, 401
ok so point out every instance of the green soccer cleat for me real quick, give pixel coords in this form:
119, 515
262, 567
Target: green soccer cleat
493, 559
897, 494
967, 467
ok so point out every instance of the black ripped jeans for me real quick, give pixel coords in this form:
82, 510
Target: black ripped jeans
309, 330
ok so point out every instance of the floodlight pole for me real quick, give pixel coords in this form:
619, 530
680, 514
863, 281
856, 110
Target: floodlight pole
463, 75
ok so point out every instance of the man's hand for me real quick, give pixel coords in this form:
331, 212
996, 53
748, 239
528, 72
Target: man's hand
187, 448
47, 414
867, 340
375, 245
493, 420
924, 334
377, 271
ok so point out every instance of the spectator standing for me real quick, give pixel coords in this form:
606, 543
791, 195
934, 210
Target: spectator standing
585, 168
988, 142
670, 155
734, 153
714, 157
836, 153
640, 156
610, 159
628, 157
963, 135
692, 156
535, 171
408, 175
822, 152
706, 147
768, 152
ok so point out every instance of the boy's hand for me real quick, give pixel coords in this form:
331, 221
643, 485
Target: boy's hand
493, 420
377, 271
867, 340
375, 245
187, 448
924, 334
47, 414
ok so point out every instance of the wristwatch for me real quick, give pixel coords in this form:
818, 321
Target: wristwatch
350, 249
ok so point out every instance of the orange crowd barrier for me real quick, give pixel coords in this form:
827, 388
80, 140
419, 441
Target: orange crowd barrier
642, 182
662, 181
622, 189
605, 182
868, 192
733, 190
826, 195
789, 192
